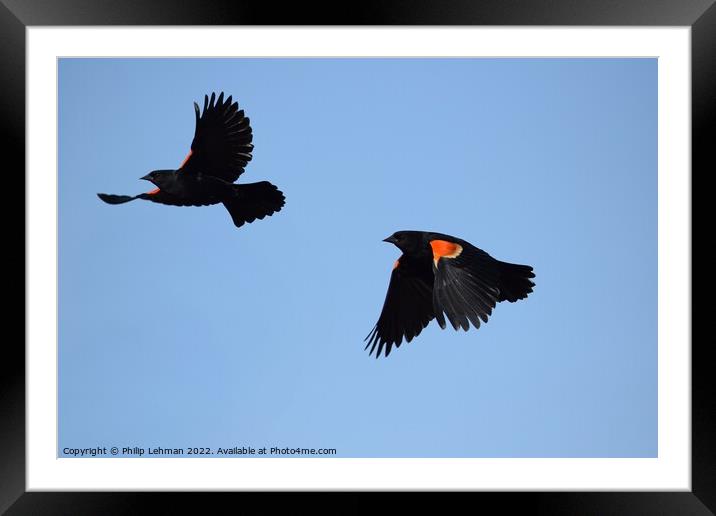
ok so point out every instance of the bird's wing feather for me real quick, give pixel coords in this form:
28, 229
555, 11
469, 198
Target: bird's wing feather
116, 199
466, 287
162, 197
408, 308
222, 140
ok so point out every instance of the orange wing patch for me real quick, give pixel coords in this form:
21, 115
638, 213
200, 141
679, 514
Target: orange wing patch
396, 264
186, 159
444, 249
153, 192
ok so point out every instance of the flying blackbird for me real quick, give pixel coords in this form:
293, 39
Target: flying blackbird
437, 276
219, 152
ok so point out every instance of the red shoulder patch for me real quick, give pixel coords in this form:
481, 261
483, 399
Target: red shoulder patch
445, 249
186, 158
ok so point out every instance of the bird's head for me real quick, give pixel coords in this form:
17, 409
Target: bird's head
160, 178
406, 241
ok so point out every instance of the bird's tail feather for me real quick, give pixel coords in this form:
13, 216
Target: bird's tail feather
515, 282
254, 201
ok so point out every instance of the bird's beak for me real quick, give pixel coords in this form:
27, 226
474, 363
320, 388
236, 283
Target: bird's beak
146, 178
390, 239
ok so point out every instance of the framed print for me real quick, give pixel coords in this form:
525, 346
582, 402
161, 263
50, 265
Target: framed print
219, 347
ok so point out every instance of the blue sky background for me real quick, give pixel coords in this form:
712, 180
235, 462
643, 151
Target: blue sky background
177, 329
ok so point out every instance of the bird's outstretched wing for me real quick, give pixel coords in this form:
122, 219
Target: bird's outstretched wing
408, 307
222, 140
155, 195
467, 282
116, 199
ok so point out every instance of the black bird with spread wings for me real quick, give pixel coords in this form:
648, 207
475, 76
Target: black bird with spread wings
441, 276
219, 152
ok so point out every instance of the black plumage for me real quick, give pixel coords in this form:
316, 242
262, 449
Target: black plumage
446, 278
220, 150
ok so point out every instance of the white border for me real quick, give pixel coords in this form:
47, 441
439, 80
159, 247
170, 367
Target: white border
670, 471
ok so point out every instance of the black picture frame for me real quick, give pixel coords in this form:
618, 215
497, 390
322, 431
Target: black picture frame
700, 15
